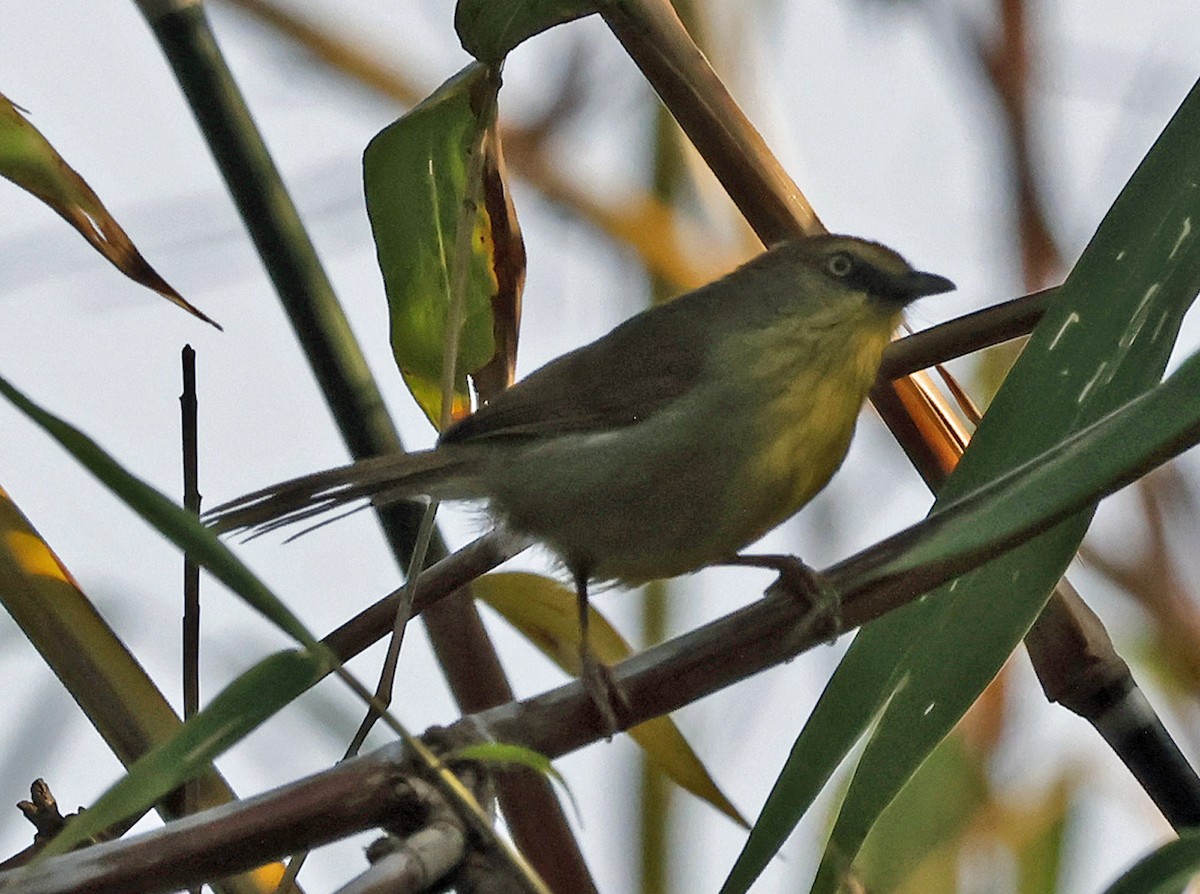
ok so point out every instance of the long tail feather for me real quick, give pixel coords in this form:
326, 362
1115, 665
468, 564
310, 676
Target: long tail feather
443, 473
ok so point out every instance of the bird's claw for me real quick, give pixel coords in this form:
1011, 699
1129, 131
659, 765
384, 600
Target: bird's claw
813, 589
610, 699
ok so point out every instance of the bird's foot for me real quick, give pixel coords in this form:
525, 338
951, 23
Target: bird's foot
609, 697
611, 701
805, 584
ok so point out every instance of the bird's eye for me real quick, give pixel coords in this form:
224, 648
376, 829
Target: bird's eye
839, 264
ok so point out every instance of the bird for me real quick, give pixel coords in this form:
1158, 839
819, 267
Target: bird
669, 444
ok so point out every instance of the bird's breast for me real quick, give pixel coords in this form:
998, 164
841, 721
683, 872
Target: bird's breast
804, 424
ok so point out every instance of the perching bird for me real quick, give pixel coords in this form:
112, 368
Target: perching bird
672, 442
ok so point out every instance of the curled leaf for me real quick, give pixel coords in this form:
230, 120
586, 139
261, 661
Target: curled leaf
501, 753
416, 174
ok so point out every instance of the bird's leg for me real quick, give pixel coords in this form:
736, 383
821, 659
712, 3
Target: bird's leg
805, 584
597, 679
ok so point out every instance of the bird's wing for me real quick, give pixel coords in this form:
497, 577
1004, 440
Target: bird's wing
621, 379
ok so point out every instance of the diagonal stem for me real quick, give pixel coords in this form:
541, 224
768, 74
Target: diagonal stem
456, 630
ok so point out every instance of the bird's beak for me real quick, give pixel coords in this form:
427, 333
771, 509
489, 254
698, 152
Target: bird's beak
917, 285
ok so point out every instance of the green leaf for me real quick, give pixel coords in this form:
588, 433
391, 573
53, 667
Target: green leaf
237, 710
1107, 338
489, 29
174, 522
931, 813
1165, 871
416, 176
1092, 463
501, 753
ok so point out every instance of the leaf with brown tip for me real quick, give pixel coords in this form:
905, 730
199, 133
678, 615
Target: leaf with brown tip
29, 161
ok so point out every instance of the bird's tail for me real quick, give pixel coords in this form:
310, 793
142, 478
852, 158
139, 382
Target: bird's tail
444, 473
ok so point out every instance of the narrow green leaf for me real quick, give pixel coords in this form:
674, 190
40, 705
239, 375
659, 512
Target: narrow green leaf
241, 707
1105, 339
506, 753
489, 29
501, 753
415, 173
1165, 871
171, 520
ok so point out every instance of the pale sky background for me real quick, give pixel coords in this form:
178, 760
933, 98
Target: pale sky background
874, 108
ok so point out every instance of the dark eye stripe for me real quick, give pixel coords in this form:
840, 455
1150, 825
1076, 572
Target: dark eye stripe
861, 274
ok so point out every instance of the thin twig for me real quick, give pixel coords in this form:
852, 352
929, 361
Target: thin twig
191, 571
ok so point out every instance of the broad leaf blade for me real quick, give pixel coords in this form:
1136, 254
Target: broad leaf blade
415, 173
931, 814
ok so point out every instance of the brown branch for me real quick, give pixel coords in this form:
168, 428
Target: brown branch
655, 38
964, 335
362, 793
387, 788
657, 41
1005, 62
353, 796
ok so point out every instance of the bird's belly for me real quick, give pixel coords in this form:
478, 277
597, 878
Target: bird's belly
635, 505
619, 506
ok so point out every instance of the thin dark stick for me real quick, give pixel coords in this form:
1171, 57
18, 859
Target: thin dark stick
191, 571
